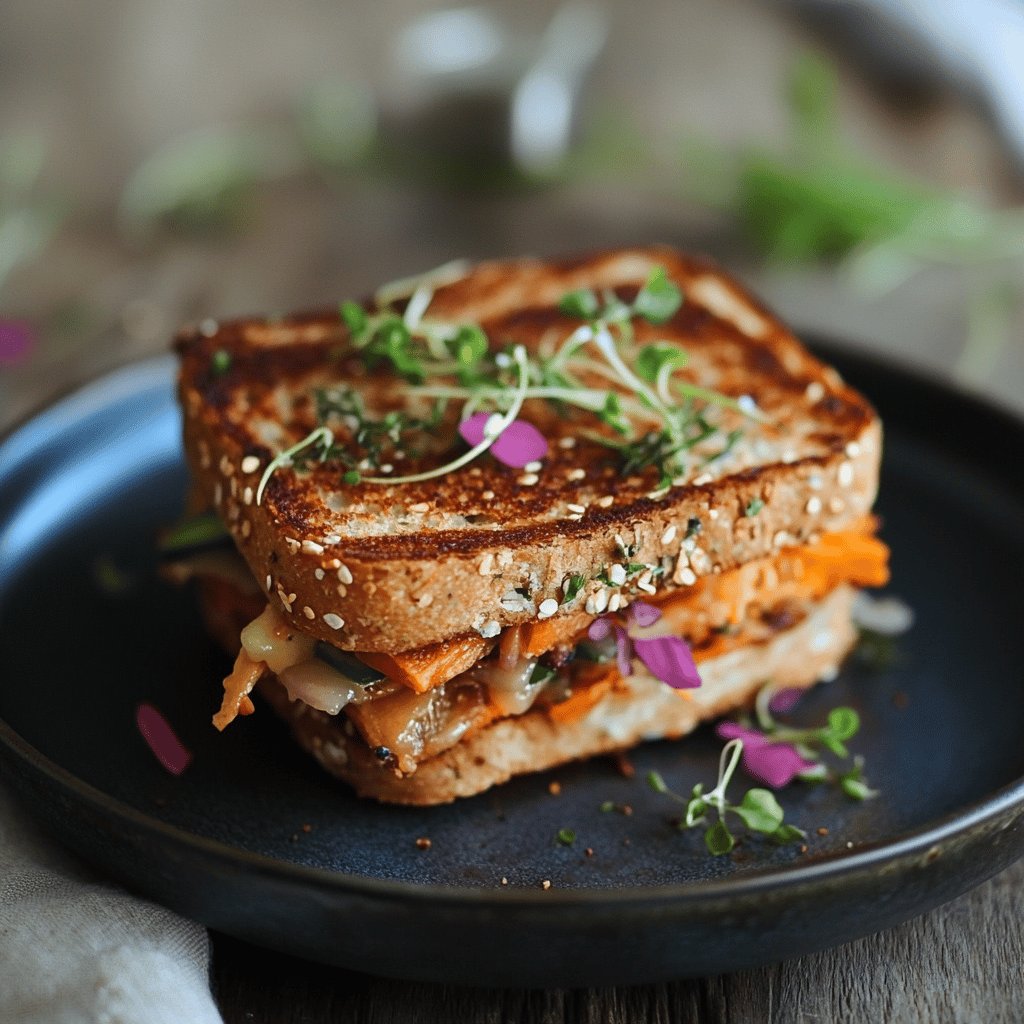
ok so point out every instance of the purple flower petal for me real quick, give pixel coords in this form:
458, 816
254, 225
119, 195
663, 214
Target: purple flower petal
643, 614
517, 445
731, 731
17, 339
623, 651
668, 658
600, 628
784, 700
774, 764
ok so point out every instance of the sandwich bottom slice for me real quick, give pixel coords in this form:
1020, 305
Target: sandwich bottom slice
429, 726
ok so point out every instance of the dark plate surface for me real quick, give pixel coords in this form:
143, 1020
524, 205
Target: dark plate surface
85, 485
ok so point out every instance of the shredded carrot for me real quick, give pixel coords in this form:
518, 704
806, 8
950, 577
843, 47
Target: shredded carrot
237, 687
583, 698
426, 667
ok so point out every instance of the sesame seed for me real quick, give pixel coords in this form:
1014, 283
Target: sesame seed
485, 564
250, 464
669, 535
574, 516
815, 482
533, 467
319, 573
746, 405
332, 538
617, 574
655, 495
488, 495
226, 468
286, 600
234, 487
576, 474
246, 527
567, 442
845, 476
614, 602
815, 391
590, 606
334, 621
293, 545
234, 510
310, 547
308, 612
419, 507
341, 589
344, 573
489, 629
601, 599
788, 456
704, 478
647, 588
853, 449
606, 501
334, 564
528, 479
547, 608
836, 505
247, 495
218, 493
780, 538
270, 582
712, 513
813, 506
687, 577
425, 600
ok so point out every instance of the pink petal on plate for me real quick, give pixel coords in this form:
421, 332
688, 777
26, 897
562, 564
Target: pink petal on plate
668, 658
17, 339
774, 764
785, 700
732, 731
643, 614
162, 740
517, 445
600, 628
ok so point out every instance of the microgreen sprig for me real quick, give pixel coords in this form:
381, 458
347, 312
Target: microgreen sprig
758, 809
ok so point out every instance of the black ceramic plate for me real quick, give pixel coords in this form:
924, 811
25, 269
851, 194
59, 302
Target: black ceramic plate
87, 632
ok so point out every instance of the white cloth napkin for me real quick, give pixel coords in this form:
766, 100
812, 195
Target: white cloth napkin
77, 950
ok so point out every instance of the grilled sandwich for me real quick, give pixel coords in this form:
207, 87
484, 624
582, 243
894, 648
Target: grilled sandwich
507, 516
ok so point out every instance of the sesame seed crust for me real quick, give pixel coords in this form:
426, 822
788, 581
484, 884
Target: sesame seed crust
532, 531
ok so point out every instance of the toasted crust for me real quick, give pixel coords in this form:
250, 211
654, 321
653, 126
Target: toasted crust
410, 565
796, 657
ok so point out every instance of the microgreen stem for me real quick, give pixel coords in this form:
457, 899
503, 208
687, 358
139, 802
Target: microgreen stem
491, 432
320, 434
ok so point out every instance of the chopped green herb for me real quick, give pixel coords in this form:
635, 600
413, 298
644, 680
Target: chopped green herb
573, 587
693, 527
566, 836
607, 806
753, 507
582, 304
220, 362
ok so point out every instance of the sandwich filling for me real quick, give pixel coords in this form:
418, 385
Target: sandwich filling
413, 705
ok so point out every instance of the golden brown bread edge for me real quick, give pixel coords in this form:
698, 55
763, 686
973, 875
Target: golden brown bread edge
533, 742
398, 592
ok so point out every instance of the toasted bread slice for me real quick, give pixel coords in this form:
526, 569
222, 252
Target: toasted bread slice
390, 568
640, 708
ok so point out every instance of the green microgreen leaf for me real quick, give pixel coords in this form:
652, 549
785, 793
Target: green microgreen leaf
760, 811
566, 836
787, 834
582, 304
653, 358
656, 782
607, 806
718, 839
844, 723
659, 298
354, 317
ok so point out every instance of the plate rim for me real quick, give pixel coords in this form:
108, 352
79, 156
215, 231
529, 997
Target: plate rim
129, 379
